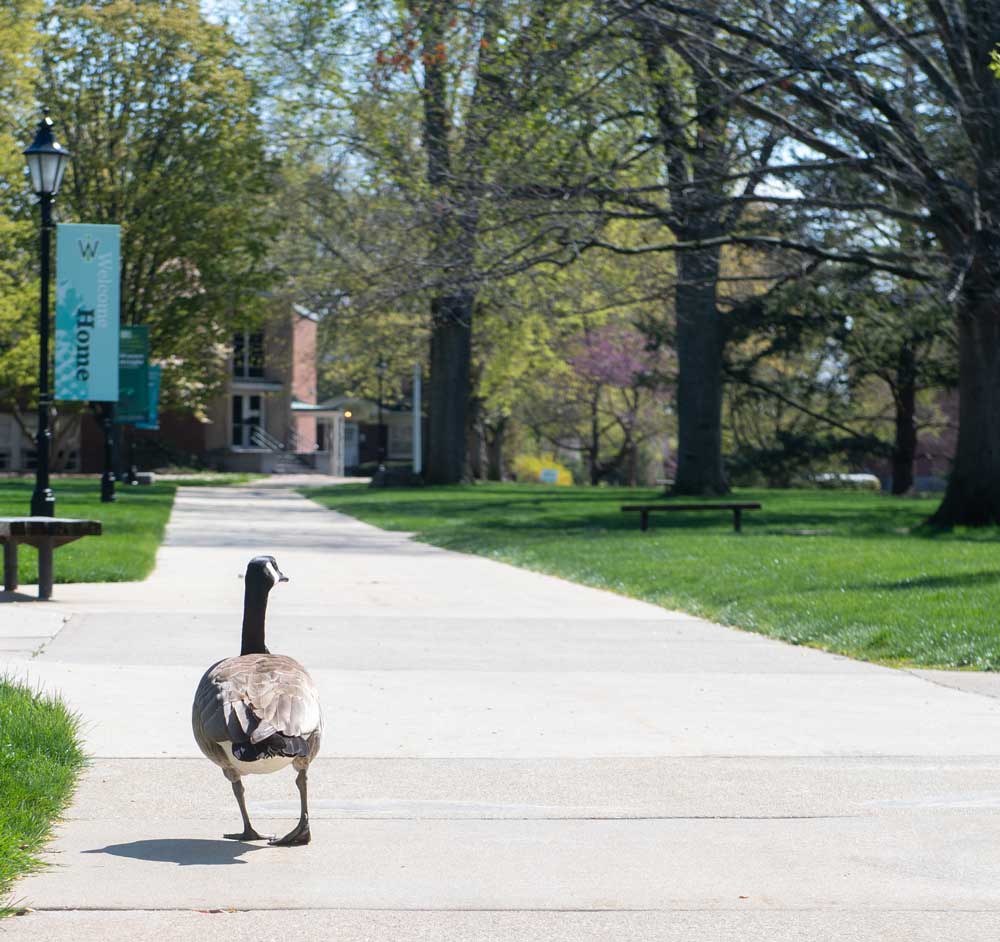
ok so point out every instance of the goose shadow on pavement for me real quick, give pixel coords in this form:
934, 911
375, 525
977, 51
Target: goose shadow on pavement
15, 596
185, 852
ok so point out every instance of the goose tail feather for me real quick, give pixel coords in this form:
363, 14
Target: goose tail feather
274, 745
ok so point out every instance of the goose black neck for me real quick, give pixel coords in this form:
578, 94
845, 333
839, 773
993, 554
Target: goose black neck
254, 610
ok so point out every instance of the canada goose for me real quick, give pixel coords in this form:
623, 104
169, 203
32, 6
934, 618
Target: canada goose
259, 712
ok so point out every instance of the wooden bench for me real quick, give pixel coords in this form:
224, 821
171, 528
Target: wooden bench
45, 534
645, 510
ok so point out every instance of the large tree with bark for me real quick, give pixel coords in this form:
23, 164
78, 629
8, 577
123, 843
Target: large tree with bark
462, 114
901, 94
666, 146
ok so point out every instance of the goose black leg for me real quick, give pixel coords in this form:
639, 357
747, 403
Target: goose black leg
249, 834
300, 833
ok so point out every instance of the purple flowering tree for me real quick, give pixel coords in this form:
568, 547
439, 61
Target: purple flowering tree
614, 402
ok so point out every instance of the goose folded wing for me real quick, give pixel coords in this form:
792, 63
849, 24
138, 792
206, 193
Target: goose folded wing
282, 700
290, 709
258, 700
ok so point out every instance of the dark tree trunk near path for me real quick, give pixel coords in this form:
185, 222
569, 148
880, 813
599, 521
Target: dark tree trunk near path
451, 356
973, 494
700, 341
698, 158
454, 175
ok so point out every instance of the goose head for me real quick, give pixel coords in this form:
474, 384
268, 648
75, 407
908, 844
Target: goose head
263, 573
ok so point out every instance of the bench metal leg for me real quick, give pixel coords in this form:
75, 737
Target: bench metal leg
45, 569
644, 520
10, 566
738, 520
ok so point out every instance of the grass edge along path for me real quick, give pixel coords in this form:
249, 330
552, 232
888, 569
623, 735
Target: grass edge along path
847, 572
40, 761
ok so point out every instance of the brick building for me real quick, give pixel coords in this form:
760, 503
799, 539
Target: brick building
267, 418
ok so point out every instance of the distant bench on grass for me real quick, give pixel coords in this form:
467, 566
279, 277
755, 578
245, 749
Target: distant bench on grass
644, 510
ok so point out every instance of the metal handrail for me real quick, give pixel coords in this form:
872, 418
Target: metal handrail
264, 439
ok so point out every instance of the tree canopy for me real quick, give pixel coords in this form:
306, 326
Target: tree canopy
779, 216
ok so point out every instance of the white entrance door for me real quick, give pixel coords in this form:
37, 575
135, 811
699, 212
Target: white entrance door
351, 443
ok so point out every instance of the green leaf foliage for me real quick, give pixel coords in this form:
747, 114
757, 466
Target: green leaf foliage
162, 122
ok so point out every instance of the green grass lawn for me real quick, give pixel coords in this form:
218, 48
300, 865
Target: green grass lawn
836, 570
40, 758
133, 527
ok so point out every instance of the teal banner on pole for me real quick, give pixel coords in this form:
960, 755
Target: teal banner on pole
87, 308
153, 414
133, 376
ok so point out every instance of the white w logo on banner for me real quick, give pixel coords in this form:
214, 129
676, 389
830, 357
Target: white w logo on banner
88, 249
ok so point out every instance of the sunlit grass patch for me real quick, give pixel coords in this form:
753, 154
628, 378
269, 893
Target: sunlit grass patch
40, 758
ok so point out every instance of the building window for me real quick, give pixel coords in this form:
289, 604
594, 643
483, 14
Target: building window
247, 416
248, 354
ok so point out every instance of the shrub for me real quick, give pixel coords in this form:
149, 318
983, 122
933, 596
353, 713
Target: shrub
528, 469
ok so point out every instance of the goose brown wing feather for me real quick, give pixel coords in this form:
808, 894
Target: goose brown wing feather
248, 698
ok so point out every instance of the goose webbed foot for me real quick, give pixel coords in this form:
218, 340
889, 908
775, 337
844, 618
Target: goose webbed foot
248, 835
298, 835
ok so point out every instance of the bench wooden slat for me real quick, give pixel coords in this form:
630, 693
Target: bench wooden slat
48, 527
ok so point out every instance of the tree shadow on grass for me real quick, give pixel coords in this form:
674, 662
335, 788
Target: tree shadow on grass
533, 509
956, 581
185, 852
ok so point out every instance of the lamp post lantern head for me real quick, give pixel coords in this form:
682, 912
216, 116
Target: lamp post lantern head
47, 160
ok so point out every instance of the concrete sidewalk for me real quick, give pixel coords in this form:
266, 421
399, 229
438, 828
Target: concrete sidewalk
508, 756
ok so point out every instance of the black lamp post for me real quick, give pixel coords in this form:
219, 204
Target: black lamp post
382, 450
47, 160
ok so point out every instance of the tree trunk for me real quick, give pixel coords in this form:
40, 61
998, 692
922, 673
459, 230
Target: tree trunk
475, 441
973, 494
448, 386
700, 340
494, 449
632, 464
594, 451
904, 450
